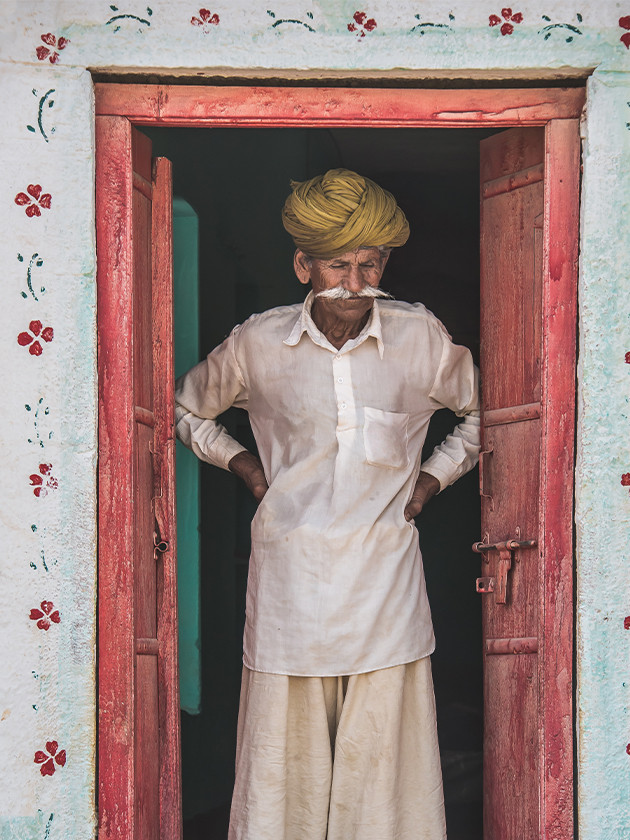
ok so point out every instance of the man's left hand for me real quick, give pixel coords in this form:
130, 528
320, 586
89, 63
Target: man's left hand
426, 486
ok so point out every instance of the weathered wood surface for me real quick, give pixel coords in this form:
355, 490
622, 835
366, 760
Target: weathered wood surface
116, 653
529, 237
192, 105
139, 776
164, 502
560, 270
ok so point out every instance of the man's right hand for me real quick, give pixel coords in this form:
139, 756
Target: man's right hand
249, 468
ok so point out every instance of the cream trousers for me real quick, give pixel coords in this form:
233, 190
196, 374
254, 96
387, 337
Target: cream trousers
338, 758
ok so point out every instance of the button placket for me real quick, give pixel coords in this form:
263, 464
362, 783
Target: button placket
342, 382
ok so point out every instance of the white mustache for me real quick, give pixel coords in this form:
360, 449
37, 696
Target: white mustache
341, 293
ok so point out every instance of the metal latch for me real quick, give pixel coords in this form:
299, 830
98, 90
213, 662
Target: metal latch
498, 584
159, 545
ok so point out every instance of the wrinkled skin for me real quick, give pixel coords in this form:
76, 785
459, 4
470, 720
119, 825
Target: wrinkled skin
339, 321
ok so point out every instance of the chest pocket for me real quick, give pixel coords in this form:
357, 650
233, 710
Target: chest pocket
385, 437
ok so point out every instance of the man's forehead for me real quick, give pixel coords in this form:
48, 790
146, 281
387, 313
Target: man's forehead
363, 252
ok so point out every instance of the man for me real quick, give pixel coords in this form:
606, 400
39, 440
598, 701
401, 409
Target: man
337, 732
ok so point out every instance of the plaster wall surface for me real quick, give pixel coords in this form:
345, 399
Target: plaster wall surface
48, 346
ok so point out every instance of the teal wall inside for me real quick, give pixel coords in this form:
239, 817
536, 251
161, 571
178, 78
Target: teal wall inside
186, 300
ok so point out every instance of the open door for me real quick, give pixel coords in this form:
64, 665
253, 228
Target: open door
139, 778
529, 183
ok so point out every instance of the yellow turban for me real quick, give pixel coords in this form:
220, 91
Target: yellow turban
339, 211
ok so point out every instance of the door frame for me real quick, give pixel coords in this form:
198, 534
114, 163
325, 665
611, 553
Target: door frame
118, 106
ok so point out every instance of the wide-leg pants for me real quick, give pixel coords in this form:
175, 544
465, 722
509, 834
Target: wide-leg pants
338, 758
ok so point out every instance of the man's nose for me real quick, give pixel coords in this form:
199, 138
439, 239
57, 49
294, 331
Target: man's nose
353, 280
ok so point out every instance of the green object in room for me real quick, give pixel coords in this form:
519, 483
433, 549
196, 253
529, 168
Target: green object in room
186, 306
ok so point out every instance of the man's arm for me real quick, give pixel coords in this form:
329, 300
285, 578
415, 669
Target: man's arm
456, 387
201, 395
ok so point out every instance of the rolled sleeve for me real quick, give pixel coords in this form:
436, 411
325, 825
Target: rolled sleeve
456, 387
201, 395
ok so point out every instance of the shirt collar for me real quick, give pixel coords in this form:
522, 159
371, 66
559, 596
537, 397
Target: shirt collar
306, 324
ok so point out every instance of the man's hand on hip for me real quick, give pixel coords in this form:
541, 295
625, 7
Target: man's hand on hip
249, 468
426, 486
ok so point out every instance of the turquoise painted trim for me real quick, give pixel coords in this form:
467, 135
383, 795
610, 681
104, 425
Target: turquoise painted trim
186, 292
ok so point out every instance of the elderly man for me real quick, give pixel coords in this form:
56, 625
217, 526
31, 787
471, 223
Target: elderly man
337, 731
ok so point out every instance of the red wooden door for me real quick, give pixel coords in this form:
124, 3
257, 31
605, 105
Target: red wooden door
139, 779
528, 203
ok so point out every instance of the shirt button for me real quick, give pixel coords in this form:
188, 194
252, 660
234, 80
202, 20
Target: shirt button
338, 356
343, 406
340, 379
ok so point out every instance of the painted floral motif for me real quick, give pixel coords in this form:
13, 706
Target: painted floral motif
50, 818
44, 102
44, 481
50, 51
568, 27
628, 353
38, 435
31, 338
45, 615
33, 199
624, 23
625, 480
279, 21
53, 755
628, 749
626, 623
424, 26
118, 18
507, 19
361, 24
35, 262
205, 20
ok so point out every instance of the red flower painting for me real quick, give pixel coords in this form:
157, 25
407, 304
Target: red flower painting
624, 23
507, 20
33, 199
45, 615
31, 338
53, 755
50, 51
361, 24
206, 18
44, 481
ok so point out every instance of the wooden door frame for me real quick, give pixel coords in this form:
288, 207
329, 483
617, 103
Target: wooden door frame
558, 110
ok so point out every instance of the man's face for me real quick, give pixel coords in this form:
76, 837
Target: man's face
352, 271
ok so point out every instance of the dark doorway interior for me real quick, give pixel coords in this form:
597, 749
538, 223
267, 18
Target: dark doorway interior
236, 180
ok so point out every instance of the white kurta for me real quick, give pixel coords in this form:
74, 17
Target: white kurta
336, 584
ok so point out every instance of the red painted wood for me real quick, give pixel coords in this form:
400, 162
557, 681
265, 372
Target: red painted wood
164, 503
116, 654
191, 105
147, 736
560, 270
529, 251
510, 368
139, 778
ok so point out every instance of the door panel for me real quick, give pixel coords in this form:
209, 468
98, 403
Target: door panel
512, 472
138, 698
529, 179
512, 783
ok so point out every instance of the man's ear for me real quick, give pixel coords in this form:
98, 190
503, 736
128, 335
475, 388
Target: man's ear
302, 266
